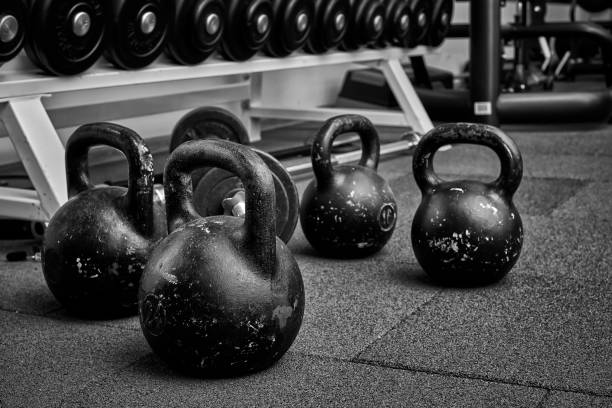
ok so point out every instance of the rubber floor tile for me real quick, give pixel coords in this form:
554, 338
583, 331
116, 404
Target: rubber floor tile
43, 359
554, 333
299, 381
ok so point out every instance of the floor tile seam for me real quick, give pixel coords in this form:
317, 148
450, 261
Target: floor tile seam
399, 322
26, 313
471, 376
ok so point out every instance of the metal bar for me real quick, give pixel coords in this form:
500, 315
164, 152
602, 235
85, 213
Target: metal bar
40, 149
21, 204
252, 122
485, 52
387, 149
406, 96
28, 83
378, 117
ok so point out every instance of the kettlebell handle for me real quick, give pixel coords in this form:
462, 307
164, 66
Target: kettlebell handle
259, 219
140, 161
467, 133
336, 126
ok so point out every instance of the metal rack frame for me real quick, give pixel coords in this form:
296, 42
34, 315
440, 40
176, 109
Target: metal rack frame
41, 151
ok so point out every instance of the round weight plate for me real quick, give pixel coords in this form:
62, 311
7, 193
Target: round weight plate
66, 37
329, 25
216, 185
291, 28
195, 29
399, 19
137, 32
440, 22
421, 13
249, 23
12, 28
207, 123
366, 24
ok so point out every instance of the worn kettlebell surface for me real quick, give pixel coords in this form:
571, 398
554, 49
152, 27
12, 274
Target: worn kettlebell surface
207, 307
221, 295
347, 211
96, 244
467, 232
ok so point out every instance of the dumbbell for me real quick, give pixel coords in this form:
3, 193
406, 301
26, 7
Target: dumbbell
195, 29
12, 28
218, 192
249, 23
137, 32
65, 37
366, 24
291, 28
329, 25
421, 12
441, 18
398, 23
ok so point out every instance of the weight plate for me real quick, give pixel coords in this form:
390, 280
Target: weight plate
329, 25
137, 32
440, 22
12, 28
65, 37
366, 24
195, 29
249, 23
208, 123
291, 28
217, 185
399, 19
421, 12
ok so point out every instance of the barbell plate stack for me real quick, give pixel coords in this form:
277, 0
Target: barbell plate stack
137, 31
65, 37
195, 29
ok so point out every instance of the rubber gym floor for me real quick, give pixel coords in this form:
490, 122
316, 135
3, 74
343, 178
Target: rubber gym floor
376, 331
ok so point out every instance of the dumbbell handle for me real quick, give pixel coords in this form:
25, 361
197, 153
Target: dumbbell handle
235, 205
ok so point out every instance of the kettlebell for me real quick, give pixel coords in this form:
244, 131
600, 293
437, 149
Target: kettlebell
347, 211
220, 296
466, 232
96, 245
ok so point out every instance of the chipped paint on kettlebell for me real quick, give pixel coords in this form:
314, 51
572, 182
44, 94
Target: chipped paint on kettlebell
220, 296
347, 211
467, 232
96, 244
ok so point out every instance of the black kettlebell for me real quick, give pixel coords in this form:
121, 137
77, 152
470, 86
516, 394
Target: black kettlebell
97, 243
466, 232
347, 211
220, 296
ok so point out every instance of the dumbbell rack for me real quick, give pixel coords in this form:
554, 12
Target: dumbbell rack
41, 150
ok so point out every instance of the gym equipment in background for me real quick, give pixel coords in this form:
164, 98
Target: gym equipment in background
249, 23
137, 31
13, 22
347, 211
65, 37
219, 192
466, 232
220, 296
398, 24
366, 24
96, 245
195, 29
329, 25
291, 27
